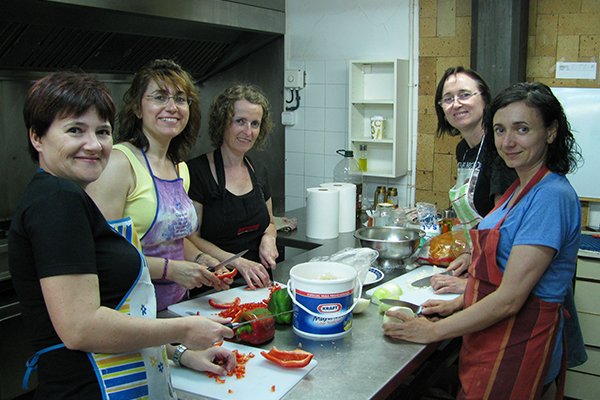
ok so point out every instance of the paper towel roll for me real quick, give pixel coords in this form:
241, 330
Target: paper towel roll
347, 192
322, 213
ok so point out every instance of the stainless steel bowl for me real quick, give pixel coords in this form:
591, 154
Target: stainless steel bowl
394, 243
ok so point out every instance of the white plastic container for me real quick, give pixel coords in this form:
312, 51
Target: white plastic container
324, 295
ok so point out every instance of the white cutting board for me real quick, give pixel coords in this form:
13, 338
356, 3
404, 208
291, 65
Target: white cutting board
416, 295
261, 375
201, 303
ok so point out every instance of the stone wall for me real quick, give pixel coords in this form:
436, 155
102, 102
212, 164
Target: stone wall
559, 30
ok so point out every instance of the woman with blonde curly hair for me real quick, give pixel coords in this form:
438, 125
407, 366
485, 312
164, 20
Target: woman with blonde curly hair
231, 192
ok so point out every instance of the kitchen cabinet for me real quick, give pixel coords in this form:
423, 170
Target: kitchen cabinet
381, 89
583, 382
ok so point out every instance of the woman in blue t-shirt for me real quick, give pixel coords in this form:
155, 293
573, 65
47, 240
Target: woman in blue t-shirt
524, 257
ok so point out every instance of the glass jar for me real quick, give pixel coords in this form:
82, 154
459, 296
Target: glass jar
383, 214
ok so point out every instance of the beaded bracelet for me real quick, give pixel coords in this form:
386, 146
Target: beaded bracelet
164, 275
465, 252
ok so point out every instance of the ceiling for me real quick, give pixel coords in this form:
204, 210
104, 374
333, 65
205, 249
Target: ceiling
114, 36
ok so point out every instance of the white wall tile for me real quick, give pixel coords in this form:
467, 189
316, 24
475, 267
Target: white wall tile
314, 119
313, 165
336, 120
294, 185
294, 163
336, 71
336, 96
294, 140
296, 64
313, 181
315, 72
292, 203
334, 141
315, 142
314, 95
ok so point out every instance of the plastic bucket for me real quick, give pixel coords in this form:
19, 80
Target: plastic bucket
324, 295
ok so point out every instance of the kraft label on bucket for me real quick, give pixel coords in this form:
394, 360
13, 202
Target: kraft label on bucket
323, 304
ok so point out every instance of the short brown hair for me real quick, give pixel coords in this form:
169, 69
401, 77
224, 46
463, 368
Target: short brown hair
63, 94
163, 72
222, 110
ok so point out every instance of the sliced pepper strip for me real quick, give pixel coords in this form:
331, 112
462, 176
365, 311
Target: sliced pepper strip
224, 306
226, 275
288, 359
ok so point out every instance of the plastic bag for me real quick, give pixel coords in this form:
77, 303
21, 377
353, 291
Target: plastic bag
358, 258
441, 250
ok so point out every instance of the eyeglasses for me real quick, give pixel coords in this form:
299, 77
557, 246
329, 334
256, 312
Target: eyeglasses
461, 97
161, 99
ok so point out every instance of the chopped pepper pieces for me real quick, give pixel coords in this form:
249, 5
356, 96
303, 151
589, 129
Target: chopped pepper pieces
256, 332
279, 302
224, 306
288, 359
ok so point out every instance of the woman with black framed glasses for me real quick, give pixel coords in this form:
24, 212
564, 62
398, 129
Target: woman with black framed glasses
460, 101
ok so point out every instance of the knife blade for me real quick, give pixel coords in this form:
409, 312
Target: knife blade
424, 282
235, 325
228, 261
399, 303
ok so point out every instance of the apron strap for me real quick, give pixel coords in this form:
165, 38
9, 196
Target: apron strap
31, 364
509, 192
220, 170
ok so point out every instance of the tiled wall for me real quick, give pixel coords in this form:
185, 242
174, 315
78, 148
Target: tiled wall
321, 128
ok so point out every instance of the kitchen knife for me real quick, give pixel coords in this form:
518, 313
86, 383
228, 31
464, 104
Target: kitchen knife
229, 260
235, 325
399, 303
424, 282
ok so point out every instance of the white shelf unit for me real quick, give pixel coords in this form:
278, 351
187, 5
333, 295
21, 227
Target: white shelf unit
381, 88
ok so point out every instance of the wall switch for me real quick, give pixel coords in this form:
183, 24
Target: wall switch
288, 118
294, 79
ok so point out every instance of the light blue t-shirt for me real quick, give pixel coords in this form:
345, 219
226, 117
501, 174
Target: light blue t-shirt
548, 215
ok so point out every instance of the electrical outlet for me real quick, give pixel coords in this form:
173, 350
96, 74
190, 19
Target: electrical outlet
294, 79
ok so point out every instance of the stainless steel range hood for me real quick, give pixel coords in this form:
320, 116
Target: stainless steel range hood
119, 36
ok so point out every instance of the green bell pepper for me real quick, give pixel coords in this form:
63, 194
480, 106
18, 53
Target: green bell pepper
279, 302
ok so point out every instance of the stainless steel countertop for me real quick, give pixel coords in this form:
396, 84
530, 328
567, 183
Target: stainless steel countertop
362, 365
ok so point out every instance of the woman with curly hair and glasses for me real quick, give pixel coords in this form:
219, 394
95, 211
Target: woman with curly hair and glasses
232, 192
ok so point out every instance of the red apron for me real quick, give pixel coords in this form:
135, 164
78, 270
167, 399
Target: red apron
510, 359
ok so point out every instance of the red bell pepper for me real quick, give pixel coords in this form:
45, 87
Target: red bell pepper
226, 275
224, 306
257, 332
289, 359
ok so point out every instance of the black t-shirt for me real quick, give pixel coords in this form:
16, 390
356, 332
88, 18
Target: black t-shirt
233, 223
494, 178
58, 230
